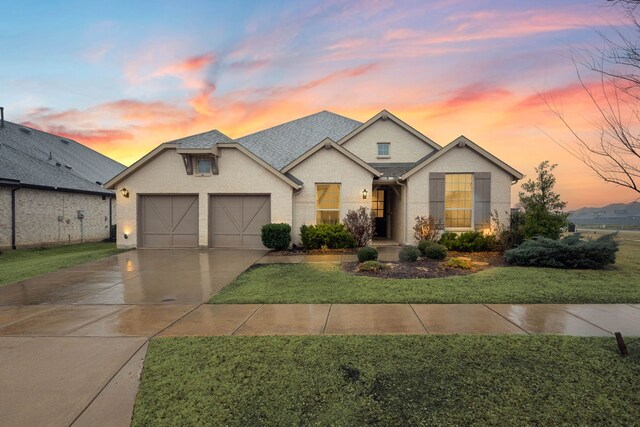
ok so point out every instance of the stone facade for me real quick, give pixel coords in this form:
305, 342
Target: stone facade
45, 217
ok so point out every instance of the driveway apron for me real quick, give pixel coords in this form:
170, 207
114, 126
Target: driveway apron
72, 342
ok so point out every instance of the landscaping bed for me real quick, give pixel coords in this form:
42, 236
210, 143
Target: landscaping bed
426, 268
388, 380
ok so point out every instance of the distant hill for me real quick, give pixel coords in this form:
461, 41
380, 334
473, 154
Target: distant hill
614, 214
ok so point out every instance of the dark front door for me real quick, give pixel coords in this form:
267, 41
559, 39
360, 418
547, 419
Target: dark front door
379, 209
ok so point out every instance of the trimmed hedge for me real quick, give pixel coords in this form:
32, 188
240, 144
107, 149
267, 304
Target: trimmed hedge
470, 241
326, 236
409, 253
371, 266
569, 252
367, 254
423, 245
276, 236
436, 251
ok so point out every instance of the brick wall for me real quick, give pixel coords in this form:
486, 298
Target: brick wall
50, 217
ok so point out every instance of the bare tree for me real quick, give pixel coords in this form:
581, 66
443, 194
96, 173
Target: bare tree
613, 152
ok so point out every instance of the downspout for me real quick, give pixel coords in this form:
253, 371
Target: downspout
111, 234
13, 218
406, 210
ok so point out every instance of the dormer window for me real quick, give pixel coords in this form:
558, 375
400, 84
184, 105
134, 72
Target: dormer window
203, 167
383, 149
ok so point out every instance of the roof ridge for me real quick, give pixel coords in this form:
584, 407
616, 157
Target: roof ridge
298, 119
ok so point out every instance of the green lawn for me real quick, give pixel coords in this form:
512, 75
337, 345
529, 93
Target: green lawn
389, 380
24, 263
324, 283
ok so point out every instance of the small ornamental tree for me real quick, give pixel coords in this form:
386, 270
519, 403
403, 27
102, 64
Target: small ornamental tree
426, 228
542, 206
360, 224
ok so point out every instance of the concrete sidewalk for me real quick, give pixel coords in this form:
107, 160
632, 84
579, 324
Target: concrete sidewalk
355, 319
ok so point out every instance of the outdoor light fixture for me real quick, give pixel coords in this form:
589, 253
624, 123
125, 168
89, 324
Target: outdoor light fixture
124, 192
126, 236
364, 193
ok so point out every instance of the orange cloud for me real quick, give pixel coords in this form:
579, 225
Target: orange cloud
189, 65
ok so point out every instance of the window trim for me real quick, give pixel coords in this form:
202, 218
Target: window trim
472, 208
197, 171
383, 156
339, 184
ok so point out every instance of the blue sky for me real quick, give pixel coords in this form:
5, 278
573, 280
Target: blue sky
123, 77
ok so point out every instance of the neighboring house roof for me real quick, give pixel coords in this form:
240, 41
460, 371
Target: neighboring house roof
53, 149
385, 115
203, 140
44, 160
328, 143
463, 141
27, 170
282, 144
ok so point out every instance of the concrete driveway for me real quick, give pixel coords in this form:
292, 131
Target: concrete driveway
72, 342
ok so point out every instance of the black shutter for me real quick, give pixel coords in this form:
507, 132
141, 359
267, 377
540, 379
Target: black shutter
482, 200
436, 196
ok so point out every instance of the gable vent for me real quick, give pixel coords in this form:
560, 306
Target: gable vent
26, 130
65, 141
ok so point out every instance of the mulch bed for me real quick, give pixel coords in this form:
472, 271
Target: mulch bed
426, 268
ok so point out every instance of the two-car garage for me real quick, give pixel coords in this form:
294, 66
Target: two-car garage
171, 221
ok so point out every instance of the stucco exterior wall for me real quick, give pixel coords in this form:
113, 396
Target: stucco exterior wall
398, 215
38, 222
458, 160
166, 174
405, 147
328, 166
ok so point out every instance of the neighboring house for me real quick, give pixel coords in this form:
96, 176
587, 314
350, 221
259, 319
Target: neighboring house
211, 191
47, 183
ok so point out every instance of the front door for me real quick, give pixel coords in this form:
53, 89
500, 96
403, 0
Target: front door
378, 207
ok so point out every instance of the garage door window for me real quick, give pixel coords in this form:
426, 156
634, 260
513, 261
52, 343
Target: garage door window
327, 203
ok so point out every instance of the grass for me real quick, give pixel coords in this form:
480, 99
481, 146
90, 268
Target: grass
388, 380
24, 263
325, 283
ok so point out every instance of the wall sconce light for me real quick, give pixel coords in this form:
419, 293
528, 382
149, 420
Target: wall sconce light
124, 192
126, 236
364, 193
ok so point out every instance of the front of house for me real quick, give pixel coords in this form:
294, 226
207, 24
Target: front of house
208, 190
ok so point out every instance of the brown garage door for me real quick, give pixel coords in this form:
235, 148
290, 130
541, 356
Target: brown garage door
169, 221
236, 220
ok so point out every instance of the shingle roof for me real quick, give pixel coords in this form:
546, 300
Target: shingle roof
203, 140
392, 169
282, 144
43, 159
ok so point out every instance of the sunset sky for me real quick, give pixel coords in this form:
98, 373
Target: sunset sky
123, 77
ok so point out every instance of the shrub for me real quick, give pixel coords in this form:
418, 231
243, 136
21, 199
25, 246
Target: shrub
409, 253
459, 263
569, 252
436, 251
423, 245
367, 254
511, 235
276, 236
330, 236
360, 224
371, 266
470, 241
427, 228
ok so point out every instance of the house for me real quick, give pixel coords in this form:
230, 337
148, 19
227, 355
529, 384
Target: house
51, 189
209, 190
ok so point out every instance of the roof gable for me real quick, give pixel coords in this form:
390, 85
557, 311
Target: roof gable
329, 144
386, 115
283, 144
463, 141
